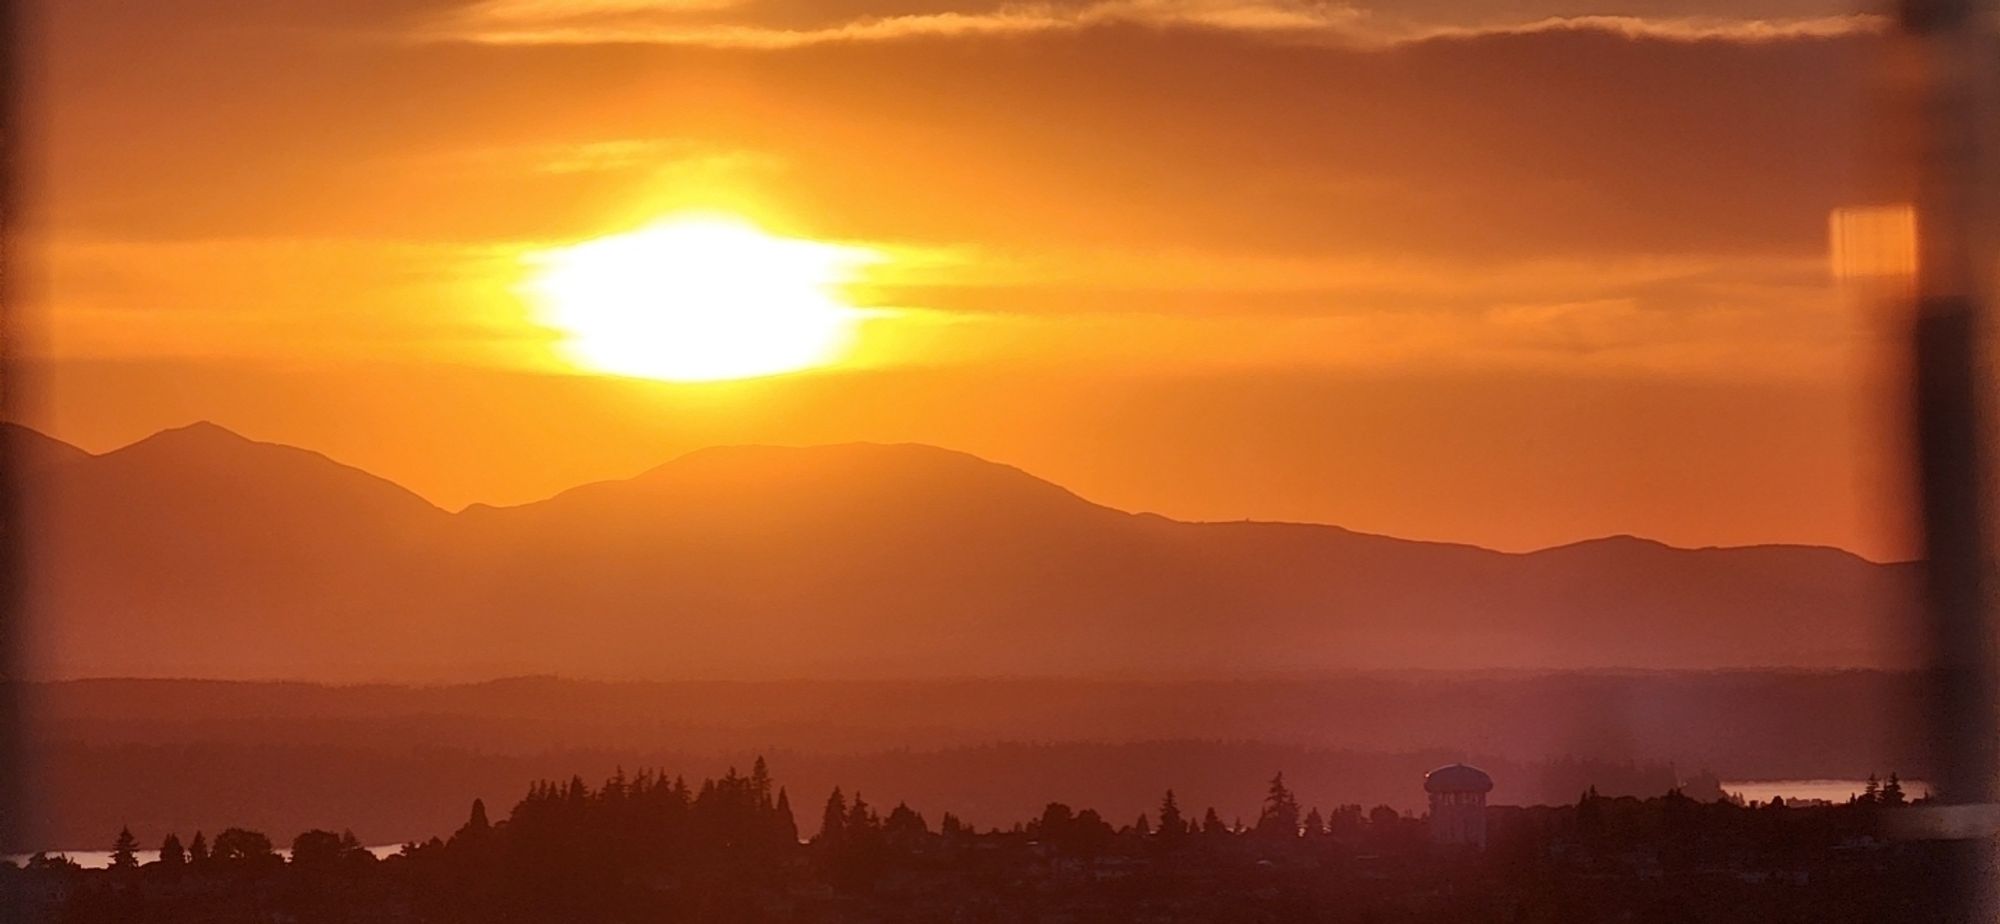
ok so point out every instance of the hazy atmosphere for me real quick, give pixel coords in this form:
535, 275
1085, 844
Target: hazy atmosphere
962, 460
1492, 273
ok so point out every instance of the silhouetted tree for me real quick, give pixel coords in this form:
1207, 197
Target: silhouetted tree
1892, 791
198, 850
641, 848
616, 788
351, 849
1280, 815
1056, 820
1345, 823
1143, 826
861, 819
125, 850
172, 854
833, 821
315, 849
905, 825
785, 826
477, 827
1089, 832
760, 783
239, 845
1872, 792
1171, 822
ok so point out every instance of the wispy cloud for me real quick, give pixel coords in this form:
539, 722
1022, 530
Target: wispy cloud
541, 11
1686, 29
636, 22
728, 23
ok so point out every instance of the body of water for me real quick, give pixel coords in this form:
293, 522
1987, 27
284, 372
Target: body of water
1825, 790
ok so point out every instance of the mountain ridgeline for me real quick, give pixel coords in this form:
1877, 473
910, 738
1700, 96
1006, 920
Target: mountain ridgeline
197, 552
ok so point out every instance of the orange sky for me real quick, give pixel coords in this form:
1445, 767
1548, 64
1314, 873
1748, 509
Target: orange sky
1442, 270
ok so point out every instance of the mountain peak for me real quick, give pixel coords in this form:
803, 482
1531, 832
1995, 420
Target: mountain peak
1618, 541
204, 427
200, 439
908, 470
32, 449
200, 431
856, 454
209, 451
858, 557
839, 480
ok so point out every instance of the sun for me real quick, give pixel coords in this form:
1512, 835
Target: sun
698, 299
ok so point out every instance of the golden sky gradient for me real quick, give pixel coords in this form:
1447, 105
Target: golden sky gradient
1506, 273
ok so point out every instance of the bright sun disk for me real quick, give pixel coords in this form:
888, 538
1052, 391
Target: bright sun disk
698, 299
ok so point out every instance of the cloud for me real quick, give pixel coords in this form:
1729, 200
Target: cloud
1683, 29
1463, 150
673, 22
547, 10
516, 22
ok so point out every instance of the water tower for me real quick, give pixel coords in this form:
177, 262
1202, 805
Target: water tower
1458, 805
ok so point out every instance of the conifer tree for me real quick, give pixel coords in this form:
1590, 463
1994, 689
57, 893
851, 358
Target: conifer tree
782, 822
198, 850
760, 782
124, 851
172, 853
1171, 822
905, 821
1280, 816
833, 822
860, 818
477, 826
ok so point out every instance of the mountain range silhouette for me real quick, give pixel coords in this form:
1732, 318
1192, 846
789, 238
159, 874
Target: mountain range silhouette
199, 553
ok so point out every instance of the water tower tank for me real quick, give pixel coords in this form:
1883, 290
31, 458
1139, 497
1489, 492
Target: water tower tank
1458, 804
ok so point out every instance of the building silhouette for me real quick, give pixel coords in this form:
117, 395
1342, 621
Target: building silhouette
1458, 804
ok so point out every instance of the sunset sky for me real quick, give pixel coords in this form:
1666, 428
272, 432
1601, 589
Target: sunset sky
1512, 272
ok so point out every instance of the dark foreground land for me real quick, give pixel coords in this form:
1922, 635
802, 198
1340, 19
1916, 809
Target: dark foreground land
398, 763
649, 848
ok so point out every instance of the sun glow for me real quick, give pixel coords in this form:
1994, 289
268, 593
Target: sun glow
698, 299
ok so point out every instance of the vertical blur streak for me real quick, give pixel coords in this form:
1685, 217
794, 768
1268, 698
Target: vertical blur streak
1951, 39
13, 760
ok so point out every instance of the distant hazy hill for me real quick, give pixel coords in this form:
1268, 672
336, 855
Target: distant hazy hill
197, 552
